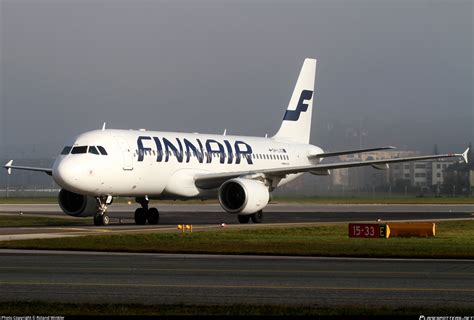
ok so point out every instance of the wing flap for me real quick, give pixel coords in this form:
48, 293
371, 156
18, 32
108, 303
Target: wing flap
340, 153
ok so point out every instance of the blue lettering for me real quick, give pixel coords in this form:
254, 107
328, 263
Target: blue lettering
247, 153
142, 150
169, 146
159, 150
190, 147
210, 151
229, 151
212, 147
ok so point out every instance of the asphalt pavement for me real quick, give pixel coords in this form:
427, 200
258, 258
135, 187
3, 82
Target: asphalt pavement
221, 279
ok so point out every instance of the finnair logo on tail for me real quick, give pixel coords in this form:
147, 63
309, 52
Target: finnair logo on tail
294, 115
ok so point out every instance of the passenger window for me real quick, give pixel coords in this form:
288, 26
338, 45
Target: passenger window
93, 150
66, 150
102, 150
79, 150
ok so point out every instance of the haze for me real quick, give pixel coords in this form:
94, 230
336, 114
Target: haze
399, 72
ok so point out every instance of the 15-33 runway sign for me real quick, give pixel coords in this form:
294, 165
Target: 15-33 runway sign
367, 230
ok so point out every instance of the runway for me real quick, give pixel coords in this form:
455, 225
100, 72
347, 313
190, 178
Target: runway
220, 279
209, 216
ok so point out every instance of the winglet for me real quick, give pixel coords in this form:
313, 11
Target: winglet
8, 166
464, 155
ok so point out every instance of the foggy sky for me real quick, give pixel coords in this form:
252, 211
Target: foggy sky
401, 72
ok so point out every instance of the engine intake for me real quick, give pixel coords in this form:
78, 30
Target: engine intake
243, 196
77, 205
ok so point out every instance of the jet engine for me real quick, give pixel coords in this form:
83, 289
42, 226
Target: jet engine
243, 196
77, 205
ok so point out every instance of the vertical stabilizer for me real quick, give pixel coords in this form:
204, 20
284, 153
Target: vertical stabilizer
296, 125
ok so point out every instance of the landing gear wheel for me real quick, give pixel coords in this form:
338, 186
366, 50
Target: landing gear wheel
97, 220
105, 219
101, 219
243, 218
153, 216
140, 216
257, 217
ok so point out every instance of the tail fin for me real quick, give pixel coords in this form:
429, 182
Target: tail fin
296, 125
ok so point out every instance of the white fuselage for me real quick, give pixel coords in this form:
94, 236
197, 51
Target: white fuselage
163, 164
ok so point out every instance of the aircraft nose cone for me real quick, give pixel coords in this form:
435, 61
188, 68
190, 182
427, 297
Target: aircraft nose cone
66, 174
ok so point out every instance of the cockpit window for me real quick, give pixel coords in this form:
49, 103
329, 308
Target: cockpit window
102, 150
66, 150
78, 150
93, 150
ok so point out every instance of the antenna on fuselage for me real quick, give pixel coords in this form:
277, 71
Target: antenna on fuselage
225, 132
266, 135
103, 127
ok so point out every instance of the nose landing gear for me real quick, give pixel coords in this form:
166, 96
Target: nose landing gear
101, 218
144, 214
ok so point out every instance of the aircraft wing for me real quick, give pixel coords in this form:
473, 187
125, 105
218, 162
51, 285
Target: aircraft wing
9, 168
340, 153
214, 180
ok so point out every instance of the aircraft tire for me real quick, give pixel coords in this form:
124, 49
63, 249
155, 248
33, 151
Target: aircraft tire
243, 218
153, 216
105, 220
140, 216
97, 220
257, 217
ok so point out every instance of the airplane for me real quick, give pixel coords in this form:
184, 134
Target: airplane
240, 171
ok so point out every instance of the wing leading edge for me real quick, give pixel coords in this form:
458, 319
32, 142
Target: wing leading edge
214, 180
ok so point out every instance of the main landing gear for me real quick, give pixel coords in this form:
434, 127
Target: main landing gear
101, 218
256, 217
144, 214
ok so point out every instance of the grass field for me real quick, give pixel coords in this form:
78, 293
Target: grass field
304, 200
453, 240
28, 221
65, 309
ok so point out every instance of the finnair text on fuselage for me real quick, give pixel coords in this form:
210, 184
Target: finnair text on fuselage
183, 149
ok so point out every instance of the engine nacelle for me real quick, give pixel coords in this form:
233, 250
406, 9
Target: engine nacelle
77, 205
243, 196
